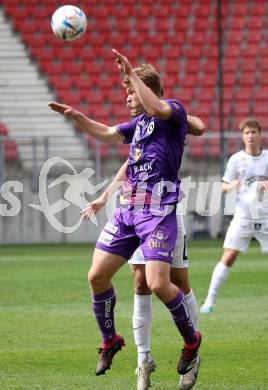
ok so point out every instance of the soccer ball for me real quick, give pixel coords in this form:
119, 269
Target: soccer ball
69, 22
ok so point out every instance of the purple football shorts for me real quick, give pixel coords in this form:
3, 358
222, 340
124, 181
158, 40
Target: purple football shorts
129, 229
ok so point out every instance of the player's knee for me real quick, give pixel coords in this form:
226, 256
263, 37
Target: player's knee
139, 280
95, 279
141, 288
140, 285
229, 257
156, 286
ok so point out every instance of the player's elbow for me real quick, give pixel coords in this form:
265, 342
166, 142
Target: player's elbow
201, 129
158, 112
153, 112
112, 136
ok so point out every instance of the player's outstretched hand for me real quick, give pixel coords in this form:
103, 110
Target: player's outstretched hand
62, 109
92, 208
122, 62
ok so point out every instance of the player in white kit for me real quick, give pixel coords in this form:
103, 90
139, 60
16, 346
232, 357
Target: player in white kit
247, 173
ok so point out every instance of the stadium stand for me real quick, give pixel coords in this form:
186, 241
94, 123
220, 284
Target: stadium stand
179, 37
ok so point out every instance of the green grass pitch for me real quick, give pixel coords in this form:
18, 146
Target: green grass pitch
49, 339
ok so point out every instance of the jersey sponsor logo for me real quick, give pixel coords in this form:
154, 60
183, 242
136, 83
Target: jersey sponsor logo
257, 226
150, 128
165, 254
137, 153
153, 243
138, 130
107, 308
142, 129
190, 323
105, 238
140, 125
244, 160
160, 234
143, 168
111, 227
108, 324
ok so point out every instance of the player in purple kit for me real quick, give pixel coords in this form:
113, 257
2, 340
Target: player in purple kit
147, 214
142, 310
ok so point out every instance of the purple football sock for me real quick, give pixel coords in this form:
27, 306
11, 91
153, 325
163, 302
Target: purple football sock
181, 317
103, 308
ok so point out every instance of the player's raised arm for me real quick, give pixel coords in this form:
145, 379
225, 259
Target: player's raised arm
93, 207
99, 131
151, 101
195, 125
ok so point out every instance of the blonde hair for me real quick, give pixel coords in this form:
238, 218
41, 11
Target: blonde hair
148, 74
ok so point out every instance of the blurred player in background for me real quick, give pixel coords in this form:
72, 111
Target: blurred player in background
157, 142
247, 173
142, 311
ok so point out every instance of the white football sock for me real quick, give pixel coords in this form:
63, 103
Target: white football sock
141, 321
219, 275
192, 307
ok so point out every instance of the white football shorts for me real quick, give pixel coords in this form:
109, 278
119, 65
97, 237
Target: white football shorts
180, 259
241, 231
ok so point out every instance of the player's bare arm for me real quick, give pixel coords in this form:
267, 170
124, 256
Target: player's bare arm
99, 131
227, 187
195, 125
93, 207
153, 106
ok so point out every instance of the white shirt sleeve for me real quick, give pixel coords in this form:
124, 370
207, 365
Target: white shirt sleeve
231, 172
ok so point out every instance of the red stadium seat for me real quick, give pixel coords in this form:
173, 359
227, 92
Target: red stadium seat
10, 146
236, 36
229, 79
256, 22
191, 66
206, 94
260, 108
251, 50
260, 95
213, 148
104, 149
247, 78
233, 145
248, 64
3, 130
123, 151
196, 148
230, 64
185, 95
188, 81
242, 108
11, 153
231, 50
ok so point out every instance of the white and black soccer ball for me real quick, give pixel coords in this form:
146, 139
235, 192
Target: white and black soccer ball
69, 22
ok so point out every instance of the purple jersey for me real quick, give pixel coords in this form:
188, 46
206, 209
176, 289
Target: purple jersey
155, 154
